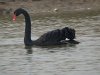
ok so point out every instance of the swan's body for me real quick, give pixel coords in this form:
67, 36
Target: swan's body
55, 37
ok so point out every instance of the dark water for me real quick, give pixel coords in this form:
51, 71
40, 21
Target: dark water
81, 59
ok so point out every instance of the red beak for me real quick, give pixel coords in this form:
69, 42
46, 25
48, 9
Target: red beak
14, 17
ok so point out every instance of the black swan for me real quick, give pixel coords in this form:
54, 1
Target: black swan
55, 37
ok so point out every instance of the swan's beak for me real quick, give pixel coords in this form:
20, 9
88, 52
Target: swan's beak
14, 17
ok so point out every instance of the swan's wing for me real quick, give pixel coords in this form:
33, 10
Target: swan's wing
52, 36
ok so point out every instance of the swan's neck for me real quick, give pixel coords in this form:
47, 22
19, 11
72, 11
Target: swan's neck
27, 37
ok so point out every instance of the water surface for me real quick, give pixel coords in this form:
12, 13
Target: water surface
80, 59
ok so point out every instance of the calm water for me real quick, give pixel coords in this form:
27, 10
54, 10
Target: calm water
80, 59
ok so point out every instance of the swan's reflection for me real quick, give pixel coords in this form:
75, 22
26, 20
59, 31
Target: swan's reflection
72, 43
29, 60
29, 49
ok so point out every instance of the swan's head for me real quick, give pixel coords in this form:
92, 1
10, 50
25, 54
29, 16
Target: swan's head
18, 11
69, 33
